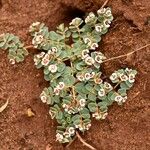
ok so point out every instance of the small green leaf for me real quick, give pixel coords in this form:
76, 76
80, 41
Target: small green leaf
69, 80
92, 97
92, 107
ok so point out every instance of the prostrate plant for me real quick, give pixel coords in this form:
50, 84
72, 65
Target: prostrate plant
77, 91
16, 48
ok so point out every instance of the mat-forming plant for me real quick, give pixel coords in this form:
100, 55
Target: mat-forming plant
71, 62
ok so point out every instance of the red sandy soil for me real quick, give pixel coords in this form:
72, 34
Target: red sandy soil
126, 127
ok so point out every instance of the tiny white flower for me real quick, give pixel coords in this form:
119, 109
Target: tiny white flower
101, 11
108, 86
51, 114
66, 110
119, 98
85, 53
54, 49
35, 61
123, 77
98, 59
92, 74
76, 126
87, 19
108, 13
88, 126
64, 105
71, 131
40, 55
82, 102
87, 76
43, 97
76, 21
94, 46
87, 41
47, 56
59, 137
89, 60
94, 114
98, 80
56, 91
91, 15
101, 92
37, 39
69, 112
98, 117
99, 28
52, 68
49, 52
104, 115
124, 99
80, 77
45, 62
35, 24
113, 77
128, 71
131, 78
61, 85
106, 23
81, 128
12, 61
66, 134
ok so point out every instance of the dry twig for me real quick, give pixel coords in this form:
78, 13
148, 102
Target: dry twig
84, 143
130, 53
71, 142
105, 3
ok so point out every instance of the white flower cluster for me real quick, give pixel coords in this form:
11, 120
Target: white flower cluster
43, 97
45, 58
12, 61
106, 87
97, 78
105, 11
41, 57
34, 27
52, 68
85, 76
90, 18
70, 131
59, 87
76, 22
99, 115
37, 40
127, 75
92, 45
74, 109
120, 99
98, 57
83, 126
53, 50
107, 15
